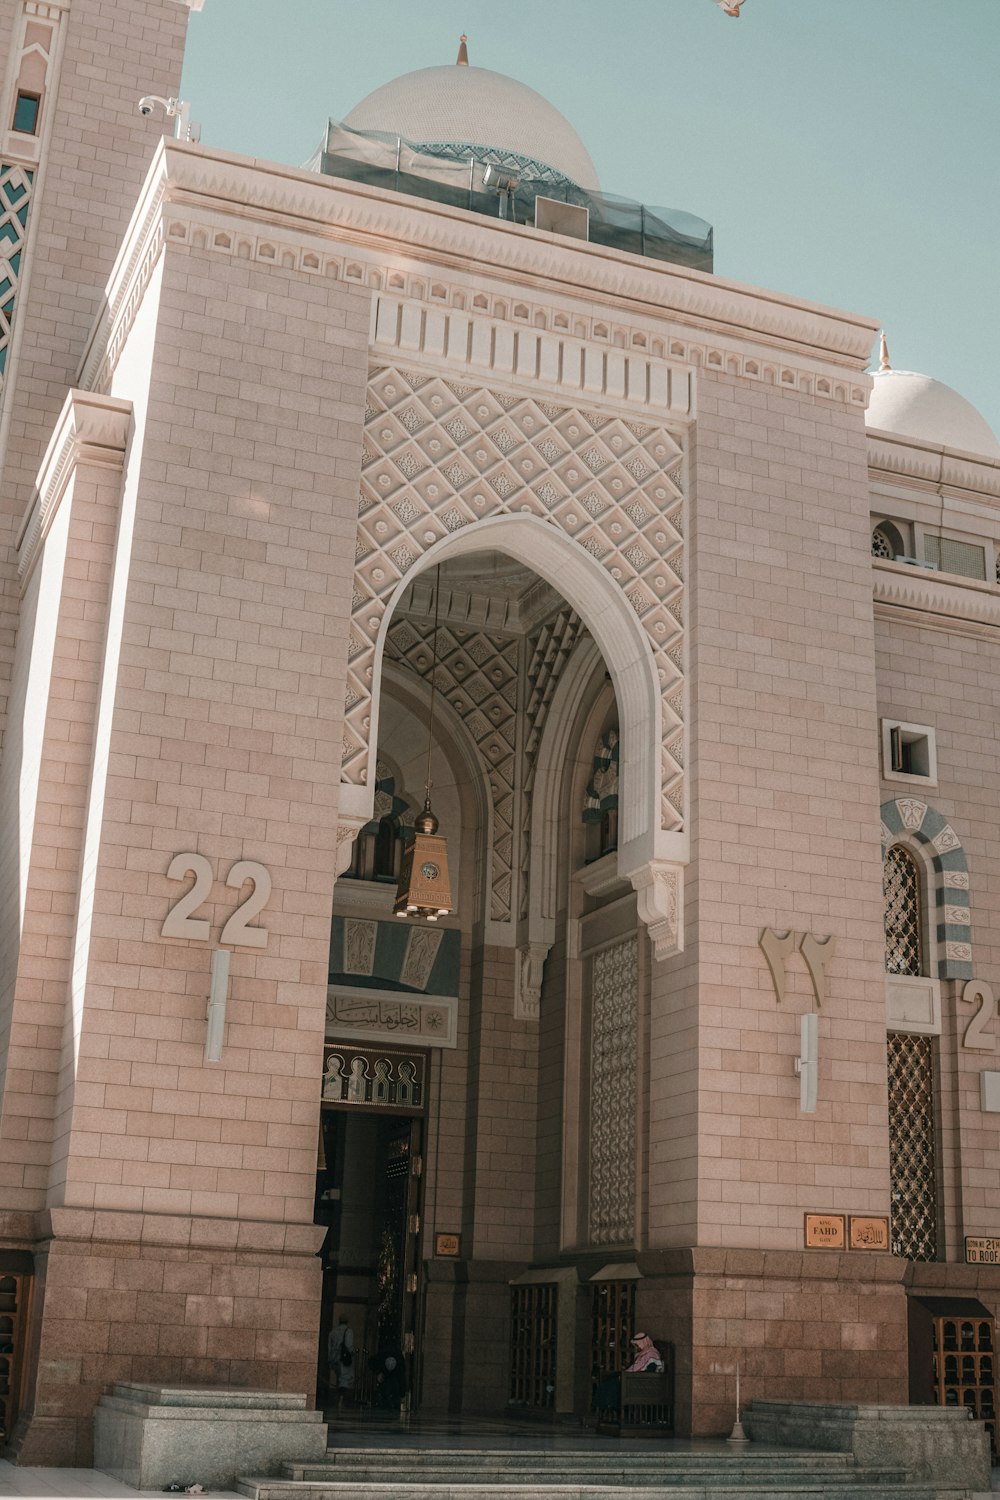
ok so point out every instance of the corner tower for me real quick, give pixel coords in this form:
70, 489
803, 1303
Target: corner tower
73, 154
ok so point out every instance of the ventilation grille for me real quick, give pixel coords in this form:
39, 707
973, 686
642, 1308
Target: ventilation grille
964, 558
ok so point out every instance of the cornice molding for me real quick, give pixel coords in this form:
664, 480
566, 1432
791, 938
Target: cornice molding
920, 590
931, 465
91, 429
303, 221
553, 362
130, 275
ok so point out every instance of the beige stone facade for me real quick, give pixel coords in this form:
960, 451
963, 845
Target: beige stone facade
289, 422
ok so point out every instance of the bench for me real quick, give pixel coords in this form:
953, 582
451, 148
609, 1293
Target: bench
646, 1402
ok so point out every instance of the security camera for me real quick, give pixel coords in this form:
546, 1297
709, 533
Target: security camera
177, 110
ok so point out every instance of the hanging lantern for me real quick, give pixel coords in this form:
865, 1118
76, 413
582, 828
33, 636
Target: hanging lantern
424, 888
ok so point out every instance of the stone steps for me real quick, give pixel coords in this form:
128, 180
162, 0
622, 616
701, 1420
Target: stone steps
542, 1489
575, 1474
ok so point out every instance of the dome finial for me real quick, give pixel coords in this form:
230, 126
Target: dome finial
884, 367
462, 60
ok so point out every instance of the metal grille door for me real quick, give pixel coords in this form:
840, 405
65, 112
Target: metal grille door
533, 1312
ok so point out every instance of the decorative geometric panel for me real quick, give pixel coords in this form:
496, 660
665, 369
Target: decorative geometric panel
440, 456
881, 545
912, 1141
613, 1094
477, 673
549, 649
16, 184
508, 161
901, 883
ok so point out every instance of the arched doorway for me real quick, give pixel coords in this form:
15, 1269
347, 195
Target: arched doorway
520, 675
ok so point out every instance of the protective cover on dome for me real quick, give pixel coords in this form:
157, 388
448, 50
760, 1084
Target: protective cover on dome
448, 110
381, 159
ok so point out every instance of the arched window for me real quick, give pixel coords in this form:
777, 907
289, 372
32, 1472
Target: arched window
378, 847
388, 849
887, 541
600, 806
903, 937
881, 545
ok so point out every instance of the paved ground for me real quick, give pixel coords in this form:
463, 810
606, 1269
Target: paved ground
91, 1484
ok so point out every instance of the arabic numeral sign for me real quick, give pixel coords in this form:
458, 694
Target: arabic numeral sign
180, 921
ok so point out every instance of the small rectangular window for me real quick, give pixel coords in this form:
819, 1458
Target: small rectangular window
26, 113
909, 752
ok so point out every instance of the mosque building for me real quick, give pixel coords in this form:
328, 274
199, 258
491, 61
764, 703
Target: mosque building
429, 528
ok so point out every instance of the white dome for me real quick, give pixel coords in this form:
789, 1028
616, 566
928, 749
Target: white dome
465, 106
915, 406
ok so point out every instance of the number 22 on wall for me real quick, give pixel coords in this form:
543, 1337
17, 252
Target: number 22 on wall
180, 921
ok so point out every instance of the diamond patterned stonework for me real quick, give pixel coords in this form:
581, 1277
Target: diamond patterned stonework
902, 913
439, 456
15, 201
614, 1017
912, 1154
549, 649
477, 673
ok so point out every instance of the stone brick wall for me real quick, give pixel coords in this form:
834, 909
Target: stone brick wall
164, 1299
99, 151
945, 678
785, 787
220, 734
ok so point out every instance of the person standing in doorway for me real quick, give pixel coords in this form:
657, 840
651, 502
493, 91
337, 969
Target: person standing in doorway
340, 1357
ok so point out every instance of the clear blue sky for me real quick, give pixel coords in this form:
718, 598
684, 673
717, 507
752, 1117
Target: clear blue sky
845, 150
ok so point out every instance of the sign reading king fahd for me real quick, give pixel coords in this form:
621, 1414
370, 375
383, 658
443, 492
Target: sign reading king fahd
982, 1250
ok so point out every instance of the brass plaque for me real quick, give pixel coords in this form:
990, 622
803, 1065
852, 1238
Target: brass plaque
825, 1232
448, 1244
869, 1233
982, 1250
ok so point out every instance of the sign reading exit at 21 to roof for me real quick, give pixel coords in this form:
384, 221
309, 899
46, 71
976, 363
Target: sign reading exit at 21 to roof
982, 1250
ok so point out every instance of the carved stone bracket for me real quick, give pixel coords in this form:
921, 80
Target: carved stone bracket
349, 825
659, 885
528, 980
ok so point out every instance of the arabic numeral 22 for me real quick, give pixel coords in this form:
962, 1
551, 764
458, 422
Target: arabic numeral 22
976, 1035
180, 921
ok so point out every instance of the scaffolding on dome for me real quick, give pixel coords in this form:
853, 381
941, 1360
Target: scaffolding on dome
453, 174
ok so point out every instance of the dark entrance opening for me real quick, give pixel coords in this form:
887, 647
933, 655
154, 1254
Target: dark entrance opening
368, 1197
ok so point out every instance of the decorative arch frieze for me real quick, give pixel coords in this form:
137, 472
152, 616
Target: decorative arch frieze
440, 458
910, 819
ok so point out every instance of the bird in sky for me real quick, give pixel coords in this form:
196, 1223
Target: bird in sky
731, 7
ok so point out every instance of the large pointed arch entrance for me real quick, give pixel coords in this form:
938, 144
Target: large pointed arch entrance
651, 854
548, 542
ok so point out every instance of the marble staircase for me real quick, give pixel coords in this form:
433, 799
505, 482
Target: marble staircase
507, 1473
